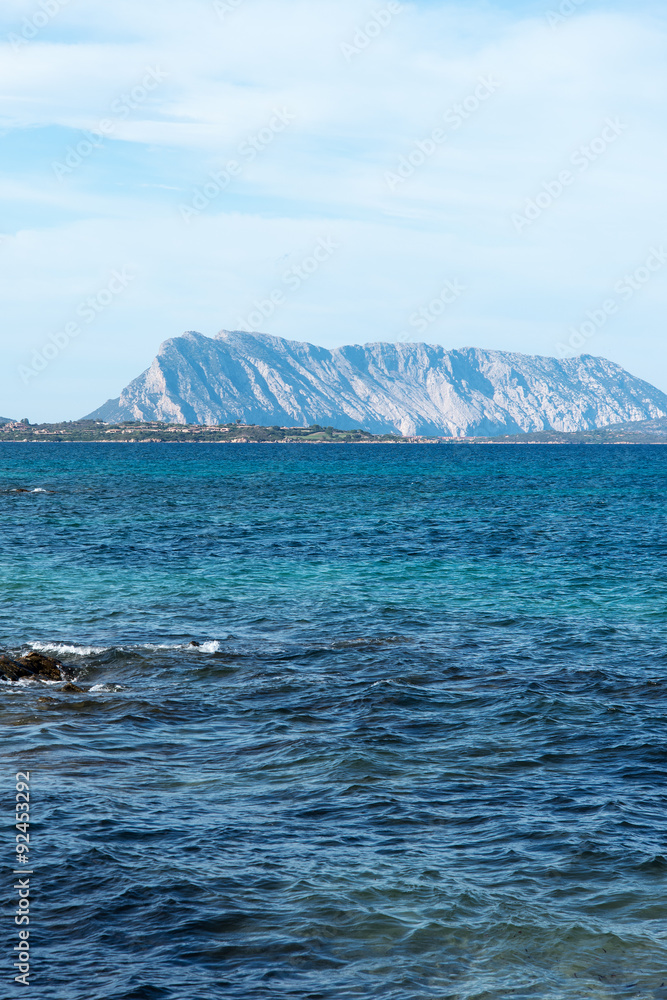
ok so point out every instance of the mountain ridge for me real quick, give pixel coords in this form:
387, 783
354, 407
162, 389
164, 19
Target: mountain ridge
382, 387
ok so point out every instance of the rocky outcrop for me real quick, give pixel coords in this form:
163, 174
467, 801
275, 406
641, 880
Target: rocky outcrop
34, 666
410, 388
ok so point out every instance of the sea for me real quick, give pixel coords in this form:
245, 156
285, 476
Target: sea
420, 750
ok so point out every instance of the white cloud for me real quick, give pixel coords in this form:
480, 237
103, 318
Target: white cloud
353, 122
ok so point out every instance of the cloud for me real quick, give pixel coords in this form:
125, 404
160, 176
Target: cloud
354, 121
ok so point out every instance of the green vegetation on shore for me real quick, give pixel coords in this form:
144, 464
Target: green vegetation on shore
640, 432
137, 433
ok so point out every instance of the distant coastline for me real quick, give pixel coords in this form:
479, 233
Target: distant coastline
96, 432
416, 390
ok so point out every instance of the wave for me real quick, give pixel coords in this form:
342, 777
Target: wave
72, 649
67, 649
211, 646
18, 489
30, 682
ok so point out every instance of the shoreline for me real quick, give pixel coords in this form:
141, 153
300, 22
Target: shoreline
450, 442
651, 432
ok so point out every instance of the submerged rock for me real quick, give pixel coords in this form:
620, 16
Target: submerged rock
12, 670
34, 665
44, 666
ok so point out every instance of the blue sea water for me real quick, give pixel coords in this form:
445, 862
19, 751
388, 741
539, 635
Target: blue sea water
421, 751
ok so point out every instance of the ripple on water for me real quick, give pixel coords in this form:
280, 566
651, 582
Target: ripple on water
418, 754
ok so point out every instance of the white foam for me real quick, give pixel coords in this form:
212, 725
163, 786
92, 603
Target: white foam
155, 645
69, 649
26, 681
207, 647
213, 646
39, 491
63, 649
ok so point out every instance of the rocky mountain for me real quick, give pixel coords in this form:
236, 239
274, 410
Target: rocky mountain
382, 387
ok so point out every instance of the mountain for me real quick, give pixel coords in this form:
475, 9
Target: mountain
410, 388
6, 420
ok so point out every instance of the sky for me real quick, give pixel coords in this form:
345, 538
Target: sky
486, 174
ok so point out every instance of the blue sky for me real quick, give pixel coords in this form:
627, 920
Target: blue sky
326, 170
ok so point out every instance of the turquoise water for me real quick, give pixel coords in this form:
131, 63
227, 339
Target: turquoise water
420, 752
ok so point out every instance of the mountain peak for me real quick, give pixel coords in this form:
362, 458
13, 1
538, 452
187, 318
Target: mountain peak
410, 387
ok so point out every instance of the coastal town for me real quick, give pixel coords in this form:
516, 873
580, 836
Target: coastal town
156, 432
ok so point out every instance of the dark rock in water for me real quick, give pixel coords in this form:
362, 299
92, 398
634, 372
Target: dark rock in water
34, 665
72, 689
194, 643
13, 670
44, 666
